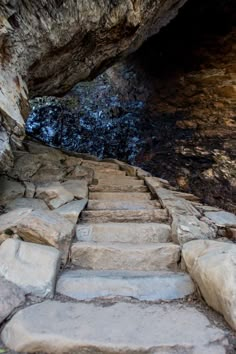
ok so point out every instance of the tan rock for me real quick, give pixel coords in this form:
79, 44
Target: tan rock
54, 194
53, 327
9, 221
47, 227
79, 189
31, 267
125, 256
117, 188
212, 265
119, 196
82, 173
123, 205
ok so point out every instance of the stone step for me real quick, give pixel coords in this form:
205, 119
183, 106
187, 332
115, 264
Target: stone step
144, 286
96, 165
123, 205
119, 196
117, 188
99, 216
120, 181
103, 173
124, 232
125, 256
134, 328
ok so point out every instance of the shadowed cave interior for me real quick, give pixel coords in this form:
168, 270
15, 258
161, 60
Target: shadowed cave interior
169, 108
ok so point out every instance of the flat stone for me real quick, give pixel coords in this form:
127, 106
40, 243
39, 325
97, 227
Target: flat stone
103, 173
212, 265
186, 228
123, 205
10, 189
120, 181
125, 256
72, 210
144, 286
79, 189
54, 194
119, 196
124, 232
93, 216
55, 327
117, 188
97, 165
11, 297
30, 203
9, 222
222, 218
31, 267
47, 227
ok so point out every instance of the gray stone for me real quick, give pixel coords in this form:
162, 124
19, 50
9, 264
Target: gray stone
125, 256
54, 194
10, 189
94, 216
99, 165
124, 232
123, 205
54, 327
222, 218
120, 181
9, 222
117, 188
31, 267
72, 210
11, 297
79, 189
212, 265
47, 227
145, 286
30, 203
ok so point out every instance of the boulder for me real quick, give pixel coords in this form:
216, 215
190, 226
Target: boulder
11, 297
31, 267
212, 265
54, 194
47, 227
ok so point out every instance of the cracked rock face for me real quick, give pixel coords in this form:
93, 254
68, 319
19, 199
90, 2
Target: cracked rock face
47, 47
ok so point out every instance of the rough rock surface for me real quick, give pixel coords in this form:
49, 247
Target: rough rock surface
51, 46
11, 297
212, 265
72, 210
47, 227
165, 329
32, 267
54, 194
30, 203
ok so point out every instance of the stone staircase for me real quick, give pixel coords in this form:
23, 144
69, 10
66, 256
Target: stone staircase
122, 290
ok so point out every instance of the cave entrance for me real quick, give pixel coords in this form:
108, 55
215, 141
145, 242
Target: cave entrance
168, 108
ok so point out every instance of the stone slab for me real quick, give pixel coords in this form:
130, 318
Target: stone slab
54, 194
54, 327
119, 196
144, 286
124, 232
93, 216
31, 267
79, 189
122, 205
125, 256
120, 181
72, 210
222, 218
117, 188
31, 203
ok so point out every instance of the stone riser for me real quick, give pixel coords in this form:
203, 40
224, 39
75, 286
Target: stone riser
119, 196
122, 205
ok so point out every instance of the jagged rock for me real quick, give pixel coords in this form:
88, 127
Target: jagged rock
72, 210
30, 203
10, 189
79, 189
83, 38
47, 227
212, 266
11, 297
53, 327
54, 194
32, 267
